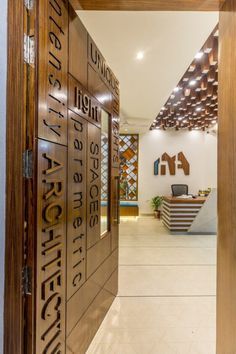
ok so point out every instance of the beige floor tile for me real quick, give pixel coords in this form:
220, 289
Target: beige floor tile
164, 285
167, 280
203, 347
167, 255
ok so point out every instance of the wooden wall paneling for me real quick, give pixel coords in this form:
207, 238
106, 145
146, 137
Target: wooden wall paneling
15, 199
98, 253
99, 64
116, 105
115, 175
93, 185
112, 284
52, 69
226, 261
115, 135
80, 302
51, 247
115, 208
78, 52
76, 216
79, 340
81, 102
74, 263
98, 89
149, 5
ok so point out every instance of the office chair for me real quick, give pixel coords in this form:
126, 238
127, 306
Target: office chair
179, 189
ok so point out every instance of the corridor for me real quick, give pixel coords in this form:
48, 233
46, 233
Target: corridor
166, 300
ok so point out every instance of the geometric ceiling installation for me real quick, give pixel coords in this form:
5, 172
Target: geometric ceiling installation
193, 104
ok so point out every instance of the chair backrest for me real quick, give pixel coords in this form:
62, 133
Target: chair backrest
179, 189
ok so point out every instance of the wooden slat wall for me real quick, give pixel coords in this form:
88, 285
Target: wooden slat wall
226, 282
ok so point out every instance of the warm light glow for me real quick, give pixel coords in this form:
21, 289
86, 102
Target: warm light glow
140, 55
199, 55
198, 109
192, 82
177, 89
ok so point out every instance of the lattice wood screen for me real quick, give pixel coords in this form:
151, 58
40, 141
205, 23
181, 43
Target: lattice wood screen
129, 167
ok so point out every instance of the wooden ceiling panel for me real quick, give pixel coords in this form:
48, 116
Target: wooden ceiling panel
149, 5
193, 104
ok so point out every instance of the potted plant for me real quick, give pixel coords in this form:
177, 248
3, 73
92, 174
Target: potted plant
156, 203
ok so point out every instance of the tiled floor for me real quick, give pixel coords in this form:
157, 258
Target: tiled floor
166, 301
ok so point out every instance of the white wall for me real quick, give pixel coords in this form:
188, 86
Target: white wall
3, 70
200, 150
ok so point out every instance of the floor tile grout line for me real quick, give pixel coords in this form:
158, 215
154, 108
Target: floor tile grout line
198, 247
164, 296
167, 265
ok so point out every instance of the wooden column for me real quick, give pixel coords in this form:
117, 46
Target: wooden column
226, 276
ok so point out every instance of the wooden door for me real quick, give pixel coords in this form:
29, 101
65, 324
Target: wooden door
76, 267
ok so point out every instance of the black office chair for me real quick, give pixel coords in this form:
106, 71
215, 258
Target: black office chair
179, 189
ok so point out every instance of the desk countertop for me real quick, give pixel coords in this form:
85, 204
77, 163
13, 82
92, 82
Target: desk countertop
174, 200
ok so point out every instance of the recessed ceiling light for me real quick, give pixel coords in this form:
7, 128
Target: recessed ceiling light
199, 55
177, 89
180, 118
140, 55
198, 109
192, 82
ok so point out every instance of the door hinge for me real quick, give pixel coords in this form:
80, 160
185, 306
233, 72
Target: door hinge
29, 4
29, 49
28, 164
27, 280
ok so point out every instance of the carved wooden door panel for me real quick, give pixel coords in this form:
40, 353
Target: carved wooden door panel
76, 267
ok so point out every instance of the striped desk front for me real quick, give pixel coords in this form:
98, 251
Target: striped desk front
178, 213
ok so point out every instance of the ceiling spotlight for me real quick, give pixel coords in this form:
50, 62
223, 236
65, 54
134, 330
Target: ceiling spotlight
180, 118
198, 109
192, 82
140, 55
199, 55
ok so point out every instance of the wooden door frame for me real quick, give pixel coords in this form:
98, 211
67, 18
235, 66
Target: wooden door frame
15, 141
15, 183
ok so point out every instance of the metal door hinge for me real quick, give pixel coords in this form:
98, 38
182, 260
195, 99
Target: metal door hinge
27, 280
29, 4
28, 164
29, 49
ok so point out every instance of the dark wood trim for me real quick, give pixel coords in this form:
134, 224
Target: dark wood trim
174, 200
226, 250
13, 306
148, 5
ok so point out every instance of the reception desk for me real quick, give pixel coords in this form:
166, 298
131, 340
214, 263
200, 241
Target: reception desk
178, 214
